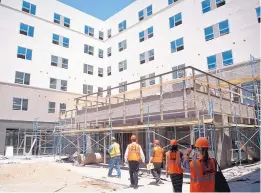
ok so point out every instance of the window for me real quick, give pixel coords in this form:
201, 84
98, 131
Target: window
151, 54
51, 107
87, 89
101, 34
59, 40
29, 8
62, 108
178, 73
209, 33
122, 65
109, 51
152, 78
227, 58
123, 87
20, 104
258, 14
100, 53
108, 70
58, 18
88, 49
145, 13
108, 90
143, 82
88, 69
89, 31
208, 5
100, 91
122, 26
175, 20
148, 33
100, 72
142, 58
64, 85
26, 30
150, 81
177, 45
223, 28
109, 33
59, 62
22, 78
122, 45
212, 62
24, 53
53, 83
147, 56
172, 1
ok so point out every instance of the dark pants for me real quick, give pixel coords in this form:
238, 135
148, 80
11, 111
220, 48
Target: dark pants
177, 181
156, 172
134, 169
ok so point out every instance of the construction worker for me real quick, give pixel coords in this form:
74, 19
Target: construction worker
202, 169
174, 160
115, 157
156, 159
134, 155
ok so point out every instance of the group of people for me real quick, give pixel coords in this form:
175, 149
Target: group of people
202, 168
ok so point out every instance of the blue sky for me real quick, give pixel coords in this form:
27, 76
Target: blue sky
101, 9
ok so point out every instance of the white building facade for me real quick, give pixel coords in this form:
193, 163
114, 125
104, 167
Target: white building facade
52, 53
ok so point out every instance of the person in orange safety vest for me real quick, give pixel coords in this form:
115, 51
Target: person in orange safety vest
134, 155
157, 159
174, 160
202, 169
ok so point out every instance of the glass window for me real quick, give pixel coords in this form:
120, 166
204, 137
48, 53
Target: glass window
65, 63
152, 78
223, 27
151, 54
100, 53
53, 83
177, 45
205, 6
141, 36
122, 65
172, 1
29, 8
54, 60
101, 35
141, 15
227, 58
212, 62
149, 10
123, 87
51, 107
56, 18
178, 72
89, 30
258, 14
62, 108
109, 51
26, 30
56, 39
220, 3
88, 69
150, 32
88, 49
122, 26
109, 33
64, 85
142, 58
209, 33
24, 53
108, 70
65, 42
175, 20
100, 72
67, 22
122, 45
87, 89
22, 78
20, 104
108, 90
100, 91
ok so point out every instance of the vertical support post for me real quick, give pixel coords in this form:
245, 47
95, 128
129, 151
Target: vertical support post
35, 134
45, 143
124, 108
195, 93
185, 103
104, 149
231, 104
161, 98
208, 90
239, 104
110, 121
40, 143
238, 140
18, 142
141, 103
97, 110
84, 140
148, 134
175, 132
77, 127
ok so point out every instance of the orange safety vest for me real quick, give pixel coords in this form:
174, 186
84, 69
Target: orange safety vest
202, 178
158, 155
134, 152
174, 163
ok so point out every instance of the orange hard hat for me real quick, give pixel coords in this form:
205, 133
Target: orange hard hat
173, 142
202, 142
133, 137
156, 142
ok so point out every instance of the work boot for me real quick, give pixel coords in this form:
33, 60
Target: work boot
132, 186
135, 187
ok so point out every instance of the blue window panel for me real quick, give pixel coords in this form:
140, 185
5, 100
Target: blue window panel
26, 30
33, 9
29, 54
67, 22
141, 35
57, 18
209, 33
212, 62
227, 58
141, 15
177, 45
206, 6
66, 42
150, 30
149, 10
258, 14
223, 27
24, 53
122, 26
89, 30
170, 1
29, 8
171, 22
175, 20
21, 50
23, 27
56, 37
31, 31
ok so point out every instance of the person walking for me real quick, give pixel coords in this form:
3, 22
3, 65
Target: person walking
174, 160
134, 155
203, 168
157, 159
115, 157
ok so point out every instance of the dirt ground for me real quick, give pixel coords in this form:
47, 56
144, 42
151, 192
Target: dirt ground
45, 177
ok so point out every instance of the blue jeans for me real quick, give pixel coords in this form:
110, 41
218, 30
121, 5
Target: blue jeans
115, 161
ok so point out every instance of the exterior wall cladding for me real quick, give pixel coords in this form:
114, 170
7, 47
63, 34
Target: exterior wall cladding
243, 39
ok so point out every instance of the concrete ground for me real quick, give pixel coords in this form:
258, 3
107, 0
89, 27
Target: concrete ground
45, 175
